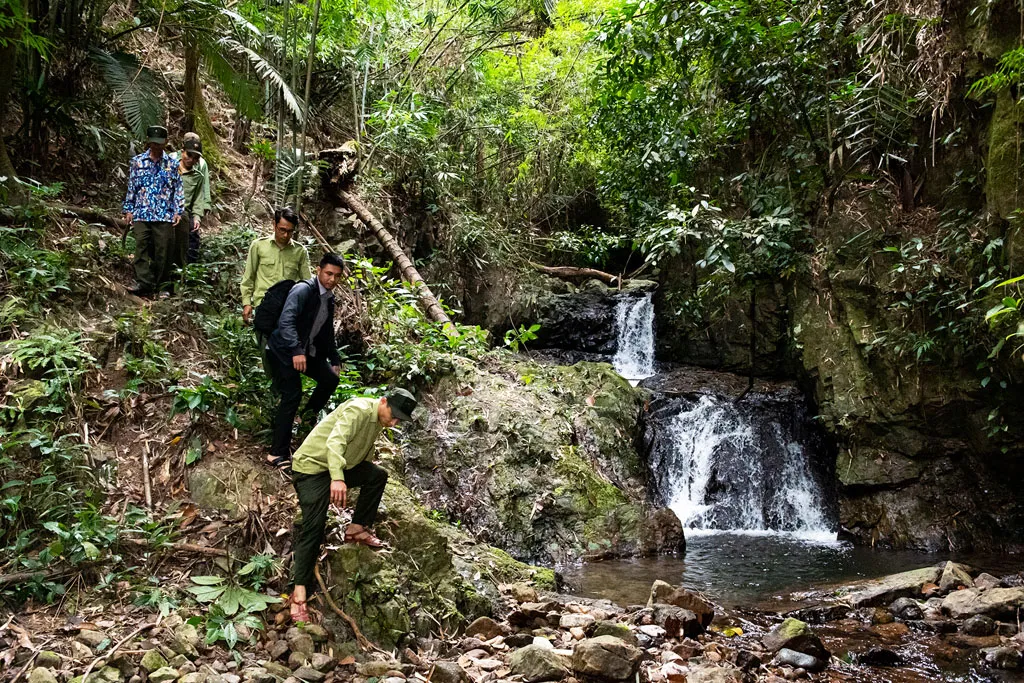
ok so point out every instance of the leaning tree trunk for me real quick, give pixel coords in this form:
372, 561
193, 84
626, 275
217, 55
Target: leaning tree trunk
409, 271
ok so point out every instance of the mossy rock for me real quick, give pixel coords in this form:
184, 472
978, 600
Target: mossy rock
539, 460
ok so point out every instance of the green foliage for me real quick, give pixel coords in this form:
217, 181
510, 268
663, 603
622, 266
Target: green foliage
516, 338
235, 602
1008, 74
39, 274
134, 89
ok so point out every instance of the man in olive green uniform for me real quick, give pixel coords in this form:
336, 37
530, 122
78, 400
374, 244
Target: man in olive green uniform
333, 458
195, 181
272, 259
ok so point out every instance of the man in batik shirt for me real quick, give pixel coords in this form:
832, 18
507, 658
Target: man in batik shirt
153, 205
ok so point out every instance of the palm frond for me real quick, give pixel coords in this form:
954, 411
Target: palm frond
133, 86
267, 72
240, 89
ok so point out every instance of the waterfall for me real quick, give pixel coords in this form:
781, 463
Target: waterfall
740, 468
634, 327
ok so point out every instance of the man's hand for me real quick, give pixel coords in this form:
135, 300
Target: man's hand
339, 492
195, 222
336, 369
176, 219
129, 218
246, 313
299, 363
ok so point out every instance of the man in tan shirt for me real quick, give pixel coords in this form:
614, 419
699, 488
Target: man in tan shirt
334, 457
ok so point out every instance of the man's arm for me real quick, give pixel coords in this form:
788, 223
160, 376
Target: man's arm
203, 203
304, 270
289, 315
248, 284
179, 194
128, 208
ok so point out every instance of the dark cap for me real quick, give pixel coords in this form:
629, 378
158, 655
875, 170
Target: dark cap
402, 403
157, 134
193, 147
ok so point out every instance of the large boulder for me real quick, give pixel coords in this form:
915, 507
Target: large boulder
954, 576
887, 589
606, 657
539, 460
435, 574
994, 603
537, 663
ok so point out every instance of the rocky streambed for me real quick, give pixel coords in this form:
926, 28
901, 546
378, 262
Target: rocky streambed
934, 623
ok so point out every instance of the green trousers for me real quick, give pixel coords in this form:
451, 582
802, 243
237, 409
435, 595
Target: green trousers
154, 245
314, 491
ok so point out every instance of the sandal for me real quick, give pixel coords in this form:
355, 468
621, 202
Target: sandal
364, 537
281, 463
298, 611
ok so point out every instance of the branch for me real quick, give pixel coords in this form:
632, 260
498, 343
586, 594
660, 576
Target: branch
572, 273
360, 638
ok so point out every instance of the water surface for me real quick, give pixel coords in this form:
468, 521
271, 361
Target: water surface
746, 570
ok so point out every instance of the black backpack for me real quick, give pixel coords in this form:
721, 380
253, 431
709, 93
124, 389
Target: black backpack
269, 311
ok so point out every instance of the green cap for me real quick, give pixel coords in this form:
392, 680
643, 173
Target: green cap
157, 134
402, 403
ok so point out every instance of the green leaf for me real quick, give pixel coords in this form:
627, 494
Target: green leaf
91, 551
208, 580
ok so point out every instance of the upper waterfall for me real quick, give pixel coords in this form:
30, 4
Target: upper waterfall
634, 328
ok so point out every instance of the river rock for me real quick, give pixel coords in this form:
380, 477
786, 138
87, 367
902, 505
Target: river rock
298, 660
41, 674
677, 621
163, 675
300, 643
748, 661
1002, 657
994, 602
518, 639
978, 625
80, 651
667, 594
448, 672
663, 532
794, 634
714, 674
568, 621
48, 659
612, 628
321, 662
91, 639
199, 677
153, 660
906, 608
523, 592
887, 589
484, 627
954, 576
278, 649
537, 663
278, 669
987, 581
308, 673
606, 657
798, 660
879, 656
258, 674
376, 668
317, 632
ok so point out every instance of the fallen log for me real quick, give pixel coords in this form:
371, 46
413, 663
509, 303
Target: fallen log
93, 216
408, 270
572, 273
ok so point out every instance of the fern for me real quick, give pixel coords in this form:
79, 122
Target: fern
267, 72
134, 88
1010, 72
242, 92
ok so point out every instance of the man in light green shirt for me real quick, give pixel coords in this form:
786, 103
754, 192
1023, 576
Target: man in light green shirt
334, 457
272, 259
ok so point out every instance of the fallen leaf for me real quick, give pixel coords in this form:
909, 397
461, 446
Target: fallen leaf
347, 661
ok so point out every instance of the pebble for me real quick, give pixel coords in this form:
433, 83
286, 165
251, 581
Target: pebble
92, 639
577, 633
278, 649
80, 651
41, 674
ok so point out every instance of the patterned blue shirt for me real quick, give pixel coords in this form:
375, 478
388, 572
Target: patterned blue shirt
154, 189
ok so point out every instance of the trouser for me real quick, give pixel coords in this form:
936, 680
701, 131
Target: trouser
265, 353
154, 243
314, 492
288, 385
180, 248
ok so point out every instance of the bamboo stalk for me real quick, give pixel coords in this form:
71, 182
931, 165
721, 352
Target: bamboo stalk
309, 79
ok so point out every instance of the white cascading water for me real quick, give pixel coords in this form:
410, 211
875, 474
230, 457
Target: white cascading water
634, 327
719, 473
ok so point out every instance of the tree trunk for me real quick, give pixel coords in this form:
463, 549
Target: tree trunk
192, 92
571, 273
8, 54
409, 271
